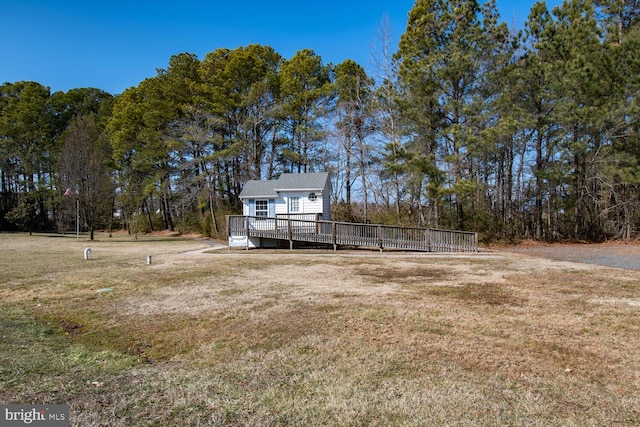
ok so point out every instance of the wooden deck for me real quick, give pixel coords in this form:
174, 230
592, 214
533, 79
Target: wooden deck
241, 229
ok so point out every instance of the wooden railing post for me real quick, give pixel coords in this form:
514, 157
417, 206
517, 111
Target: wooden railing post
289, 233
246, 230
333, 235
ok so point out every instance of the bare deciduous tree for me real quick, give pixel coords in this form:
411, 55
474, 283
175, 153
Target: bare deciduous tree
85, 171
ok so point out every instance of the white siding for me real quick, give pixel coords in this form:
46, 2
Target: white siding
311, 207
320, 205
281, 206
306, 205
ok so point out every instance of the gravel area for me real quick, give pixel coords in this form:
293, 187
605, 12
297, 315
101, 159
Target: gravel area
617, 255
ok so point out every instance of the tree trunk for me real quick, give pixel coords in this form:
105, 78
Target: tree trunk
538, 224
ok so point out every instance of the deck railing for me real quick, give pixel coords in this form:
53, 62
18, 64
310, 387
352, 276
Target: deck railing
352, 234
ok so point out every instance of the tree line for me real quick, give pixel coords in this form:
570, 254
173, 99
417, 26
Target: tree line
466, 124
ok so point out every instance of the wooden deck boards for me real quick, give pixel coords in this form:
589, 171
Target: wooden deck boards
352, 234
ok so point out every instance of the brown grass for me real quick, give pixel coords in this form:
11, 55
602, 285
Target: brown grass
314, 338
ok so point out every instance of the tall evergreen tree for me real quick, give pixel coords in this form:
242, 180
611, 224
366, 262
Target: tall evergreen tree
138, 127
445, 57
26, 146
242, 90
305, 84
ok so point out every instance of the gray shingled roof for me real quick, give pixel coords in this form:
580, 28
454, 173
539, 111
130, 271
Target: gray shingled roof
302, 181
287, 182
263, 189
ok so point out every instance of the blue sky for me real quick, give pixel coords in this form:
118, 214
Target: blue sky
115, 44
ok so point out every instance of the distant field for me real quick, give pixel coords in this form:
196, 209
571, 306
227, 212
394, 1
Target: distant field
353, 338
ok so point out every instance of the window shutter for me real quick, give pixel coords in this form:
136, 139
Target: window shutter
252, 207
272, 208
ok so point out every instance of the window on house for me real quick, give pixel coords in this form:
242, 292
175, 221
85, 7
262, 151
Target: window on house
262, 208
294, 204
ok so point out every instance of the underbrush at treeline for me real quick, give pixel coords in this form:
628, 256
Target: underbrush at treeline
314, 337
468, 123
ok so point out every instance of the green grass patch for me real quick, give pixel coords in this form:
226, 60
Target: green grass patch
37, 357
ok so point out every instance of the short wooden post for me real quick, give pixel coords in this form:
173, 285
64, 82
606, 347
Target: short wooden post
289, 234
379, 235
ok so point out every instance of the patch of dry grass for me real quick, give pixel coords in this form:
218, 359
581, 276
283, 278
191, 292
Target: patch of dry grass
314, 338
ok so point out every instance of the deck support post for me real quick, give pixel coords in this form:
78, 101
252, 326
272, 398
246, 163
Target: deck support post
289, 234
333, 236
246, 231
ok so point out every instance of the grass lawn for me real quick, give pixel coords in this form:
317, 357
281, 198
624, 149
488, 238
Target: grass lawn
351, 338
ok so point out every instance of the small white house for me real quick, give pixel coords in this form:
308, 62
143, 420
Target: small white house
295, 195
